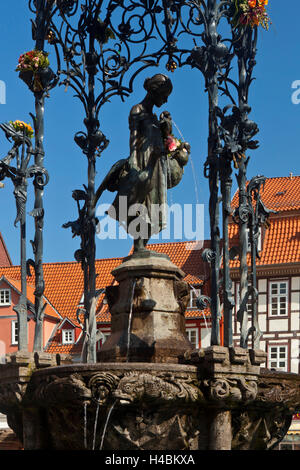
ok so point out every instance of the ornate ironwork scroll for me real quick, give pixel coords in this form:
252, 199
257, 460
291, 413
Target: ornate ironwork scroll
104, 46
19, 175
43, 10
259, 215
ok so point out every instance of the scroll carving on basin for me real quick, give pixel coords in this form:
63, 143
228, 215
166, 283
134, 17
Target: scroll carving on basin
102, 386
232, 389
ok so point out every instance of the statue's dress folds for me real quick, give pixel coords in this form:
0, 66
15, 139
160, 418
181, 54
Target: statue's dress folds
145, 181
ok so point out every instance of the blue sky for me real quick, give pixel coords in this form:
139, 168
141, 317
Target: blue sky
278, 66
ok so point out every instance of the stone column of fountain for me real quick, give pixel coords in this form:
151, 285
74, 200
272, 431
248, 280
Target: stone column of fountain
147, 311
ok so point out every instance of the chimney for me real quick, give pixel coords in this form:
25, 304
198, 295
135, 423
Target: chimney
291, 176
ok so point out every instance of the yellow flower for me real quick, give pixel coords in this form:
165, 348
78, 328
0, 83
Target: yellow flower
21, 125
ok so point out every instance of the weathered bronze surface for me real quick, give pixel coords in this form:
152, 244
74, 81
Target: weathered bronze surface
143, 178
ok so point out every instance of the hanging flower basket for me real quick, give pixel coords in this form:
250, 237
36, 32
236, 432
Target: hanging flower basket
34, 70
251, 13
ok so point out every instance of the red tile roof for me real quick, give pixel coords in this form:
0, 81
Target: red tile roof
279, 194
64, 282
55, 346
187, 256
49, 310
194, 313
280, 243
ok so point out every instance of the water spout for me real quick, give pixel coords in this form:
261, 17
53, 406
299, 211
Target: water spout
95, 425
130, 319
169, 179
85, 425
106, 424
192, 165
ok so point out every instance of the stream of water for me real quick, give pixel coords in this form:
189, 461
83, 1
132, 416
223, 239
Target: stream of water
95, 426
85, 425
130, 319
106, 424
192, 164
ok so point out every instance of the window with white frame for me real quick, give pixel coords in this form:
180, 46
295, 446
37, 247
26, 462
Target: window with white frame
194, 294
5, 297
193, 337
68, 336
278, 301
278, 357
14, 332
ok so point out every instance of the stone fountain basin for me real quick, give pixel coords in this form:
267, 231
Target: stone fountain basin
152, 406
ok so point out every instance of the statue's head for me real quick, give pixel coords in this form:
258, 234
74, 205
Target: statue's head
159, 87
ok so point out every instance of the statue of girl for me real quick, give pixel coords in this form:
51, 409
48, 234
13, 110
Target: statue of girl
155, 164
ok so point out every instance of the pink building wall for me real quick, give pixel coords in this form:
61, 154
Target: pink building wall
7, 315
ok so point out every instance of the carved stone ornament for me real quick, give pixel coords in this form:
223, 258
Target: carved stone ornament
153, 429
182, 294
137, 387
59, 390
231, 390
102, 385
279, 393
257, 430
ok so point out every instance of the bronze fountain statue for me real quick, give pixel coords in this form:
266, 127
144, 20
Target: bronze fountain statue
155, 164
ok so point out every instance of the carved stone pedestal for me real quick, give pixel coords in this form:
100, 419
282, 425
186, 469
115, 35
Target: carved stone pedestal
147, 311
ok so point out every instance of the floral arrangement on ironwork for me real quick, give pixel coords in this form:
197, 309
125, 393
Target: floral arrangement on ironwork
32, 61
34, 70
21, 126
251, 13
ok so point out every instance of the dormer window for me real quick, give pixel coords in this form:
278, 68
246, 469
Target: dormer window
68, 336
5, 298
